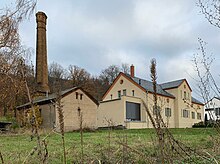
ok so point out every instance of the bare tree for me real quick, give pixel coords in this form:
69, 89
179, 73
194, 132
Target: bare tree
109, 74
78, 76
211, 11
11, 51
125, 68
57, 71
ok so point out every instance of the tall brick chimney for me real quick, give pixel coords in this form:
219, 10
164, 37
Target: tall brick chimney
41, 54
132, 70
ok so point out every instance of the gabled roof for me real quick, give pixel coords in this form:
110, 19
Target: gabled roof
174, 84
148, 86
215, 97
116, 79
53, 96
196, 101
144, 85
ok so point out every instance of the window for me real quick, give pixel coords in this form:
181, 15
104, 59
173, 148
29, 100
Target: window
193, 115
79, 111
199, 116
119, 94
132, 92
124, 92
167, 112
217, 111
77, 95
184, 95
133, 111
185, 113
111, 97
168, 100
156, 110
81, 95
139, 81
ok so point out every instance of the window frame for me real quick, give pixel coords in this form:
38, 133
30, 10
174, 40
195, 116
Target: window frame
185, 113
119, 94
168, 112
131, 113
77, 95
193, 115
132, 92
124, 92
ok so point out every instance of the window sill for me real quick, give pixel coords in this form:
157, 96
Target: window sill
135, 121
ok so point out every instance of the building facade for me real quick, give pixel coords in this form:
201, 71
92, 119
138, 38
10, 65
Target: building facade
212, 109
78, 108
127, 99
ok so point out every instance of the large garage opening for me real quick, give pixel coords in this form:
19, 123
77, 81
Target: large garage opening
133, 111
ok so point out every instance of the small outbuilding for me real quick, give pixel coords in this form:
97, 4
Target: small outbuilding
79, 107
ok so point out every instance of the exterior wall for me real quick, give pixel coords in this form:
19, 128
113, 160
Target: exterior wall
47, 112
125, 85
48, 115
176, 93
214, 103
185, 103
111, 113
114, 108
163, 102
144, 122
73, 109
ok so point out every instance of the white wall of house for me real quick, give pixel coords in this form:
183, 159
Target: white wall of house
212, 109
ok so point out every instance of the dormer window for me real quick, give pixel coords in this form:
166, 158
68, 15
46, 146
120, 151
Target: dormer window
139, 81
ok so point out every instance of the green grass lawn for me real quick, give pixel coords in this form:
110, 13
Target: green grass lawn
98, 145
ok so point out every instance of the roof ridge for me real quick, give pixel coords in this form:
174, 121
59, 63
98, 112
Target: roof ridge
172, 81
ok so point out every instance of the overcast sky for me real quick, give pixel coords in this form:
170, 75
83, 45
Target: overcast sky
94, 34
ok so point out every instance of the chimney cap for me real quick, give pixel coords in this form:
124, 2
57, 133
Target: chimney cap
41, 13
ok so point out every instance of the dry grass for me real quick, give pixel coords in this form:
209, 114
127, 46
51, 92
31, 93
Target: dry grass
127, 146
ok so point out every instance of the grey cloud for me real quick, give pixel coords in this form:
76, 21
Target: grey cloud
104, 32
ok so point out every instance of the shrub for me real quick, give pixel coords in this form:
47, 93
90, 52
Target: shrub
29, 116
199, 125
